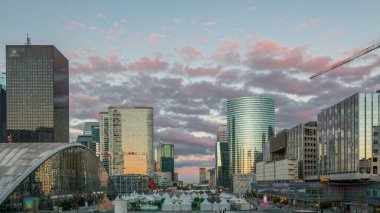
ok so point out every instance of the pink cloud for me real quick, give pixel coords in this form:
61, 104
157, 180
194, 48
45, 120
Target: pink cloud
190, 53
155, 38
227, 51
73, 25
110, 63
146, 64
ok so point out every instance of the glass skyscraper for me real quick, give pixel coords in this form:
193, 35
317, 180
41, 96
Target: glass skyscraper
130, 134
221, 157
251, 122
37, 94
345, 135
164, 156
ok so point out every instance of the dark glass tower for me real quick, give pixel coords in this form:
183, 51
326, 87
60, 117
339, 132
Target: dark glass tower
165, 158
3, 115
37, 94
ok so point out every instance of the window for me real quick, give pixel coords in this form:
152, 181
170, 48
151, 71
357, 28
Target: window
374, 159
375, 170
375, 151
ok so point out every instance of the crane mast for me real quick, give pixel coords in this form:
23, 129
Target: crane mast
348, 60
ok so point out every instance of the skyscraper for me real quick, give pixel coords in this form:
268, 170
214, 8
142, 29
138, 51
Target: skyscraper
202, 176
221, 157
104, 144
130, 133
90, 137
37, 94
251, 122
3, 114
345, 136
164, 157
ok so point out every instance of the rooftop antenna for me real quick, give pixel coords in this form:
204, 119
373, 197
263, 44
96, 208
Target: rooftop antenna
28, 40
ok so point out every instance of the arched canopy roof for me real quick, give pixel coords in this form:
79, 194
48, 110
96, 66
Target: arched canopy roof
19, 160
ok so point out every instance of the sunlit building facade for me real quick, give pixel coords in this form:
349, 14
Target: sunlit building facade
221, 157
251, 122
50, 174
37, 93
130, 133
345, 136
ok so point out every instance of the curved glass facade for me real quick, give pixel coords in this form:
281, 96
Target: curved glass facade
251, 122
67, 179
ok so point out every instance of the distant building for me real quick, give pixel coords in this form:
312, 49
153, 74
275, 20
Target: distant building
221, 156
210, 176
176, 177
3, 114
302, 146
104, 143
251, 122
345, 139
202, 176
37, 94
164, 158
90, 137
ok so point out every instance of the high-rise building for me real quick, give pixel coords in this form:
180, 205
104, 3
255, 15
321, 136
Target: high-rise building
345, 137
164, 158
90, 137
221, 157
3, 114
130, 134
302, 147
202, 176
37, 94
376, 148
104, 144
251, 122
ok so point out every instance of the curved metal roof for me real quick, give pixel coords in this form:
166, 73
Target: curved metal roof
18, 160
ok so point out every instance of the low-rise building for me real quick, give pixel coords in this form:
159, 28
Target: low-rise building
277, 171
163, 179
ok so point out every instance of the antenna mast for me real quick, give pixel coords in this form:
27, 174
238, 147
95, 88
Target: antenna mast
28, 40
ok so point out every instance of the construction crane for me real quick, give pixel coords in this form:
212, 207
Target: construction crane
348, 60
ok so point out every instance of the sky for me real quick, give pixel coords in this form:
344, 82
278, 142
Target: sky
186, 58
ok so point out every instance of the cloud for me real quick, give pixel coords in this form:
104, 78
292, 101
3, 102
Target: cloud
146, 64
310, 24
155, 38
177, 20
94, 63
190, 53
101, 15
210, 23
74, 25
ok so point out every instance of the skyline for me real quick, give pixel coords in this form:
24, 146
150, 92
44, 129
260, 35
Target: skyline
187, 62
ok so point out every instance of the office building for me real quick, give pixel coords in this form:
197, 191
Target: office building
3, 114
37, 94
278, 146
131, 183
302, 147
221, 157
375, 151
345, 137
104, 144
202, 176
251, 122
90, 137
130, 134
163, 179
210, 176
164, 158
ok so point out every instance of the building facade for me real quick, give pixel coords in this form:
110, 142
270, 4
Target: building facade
302, 147
376, 153
345, 137
221, 157
130, 133
3, 114
90, 137
37, 94
202, 176
251, 122
164, 157
278, 146
104, 144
